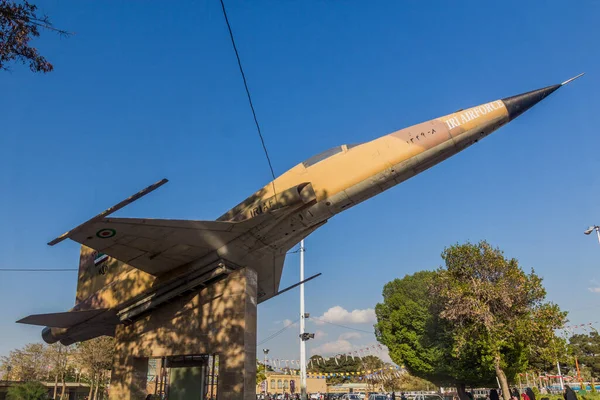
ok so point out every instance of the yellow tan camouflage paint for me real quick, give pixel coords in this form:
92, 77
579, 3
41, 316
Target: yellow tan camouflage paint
120, 283
352, 166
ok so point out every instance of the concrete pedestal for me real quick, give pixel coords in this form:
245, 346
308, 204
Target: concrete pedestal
220, 319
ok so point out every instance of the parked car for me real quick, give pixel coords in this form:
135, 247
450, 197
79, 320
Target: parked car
350, 396
377, 396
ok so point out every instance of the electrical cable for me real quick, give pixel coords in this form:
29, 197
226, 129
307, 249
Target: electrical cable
278, 332
38, 269
262, 140
341, 326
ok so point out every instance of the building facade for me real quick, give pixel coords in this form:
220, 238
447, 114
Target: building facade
284, 383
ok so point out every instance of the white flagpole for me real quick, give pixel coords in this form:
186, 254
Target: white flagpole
302, 342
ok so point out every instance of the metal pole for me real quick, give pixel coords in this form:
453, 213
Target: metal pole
214, 385
562, 385
302, 342
156, 376
266, 377
598, 233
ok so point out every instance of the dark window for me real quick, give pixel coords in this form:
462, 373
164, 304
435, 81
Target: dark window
349, 146
321, 156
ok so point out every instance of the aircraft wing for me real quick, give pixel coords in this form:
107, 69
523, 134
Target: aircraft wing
156, 245
63, 319
159, 245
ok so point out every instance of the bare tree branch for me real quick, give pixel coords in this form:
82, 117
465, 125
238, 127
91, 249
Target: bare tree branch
19, 23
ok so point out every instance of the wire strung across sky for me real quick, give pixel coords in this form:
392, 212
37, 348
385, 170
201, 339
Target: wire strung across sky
341, 326
278, 332
38, 269
262, 140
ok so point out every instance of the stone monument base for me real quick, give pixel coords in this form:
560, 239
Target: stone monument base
219, 319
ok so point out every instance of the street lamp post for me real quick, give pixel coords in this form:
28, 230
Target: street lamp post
266, 351
593, 228
302, 327
562, 383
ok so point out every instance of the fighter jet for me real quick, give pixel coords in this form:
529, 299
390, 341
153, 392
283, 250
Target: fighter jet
130, 266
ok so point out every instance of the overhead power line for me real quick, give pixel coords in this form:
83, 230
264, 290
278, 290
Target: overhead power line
278, 332
38, 269
341, 326
262, 140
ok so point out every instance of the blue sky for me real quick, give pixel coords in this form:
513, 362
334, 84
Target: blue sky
146, 90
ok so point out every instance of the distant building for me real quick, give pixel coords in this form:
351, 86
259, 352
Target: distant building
347, 388
285, 383
74, 391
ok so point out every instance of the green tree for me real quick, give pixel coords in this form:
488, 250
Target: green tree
19, 23
587, 350
28, 391
94, 357
336, 365
492, 303
371, 364
59, 361
409, 324
261, 372
404, 322
408, 382
27, 364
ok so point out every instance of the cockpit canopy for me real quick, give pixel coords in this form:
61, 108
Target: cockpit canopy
328, 153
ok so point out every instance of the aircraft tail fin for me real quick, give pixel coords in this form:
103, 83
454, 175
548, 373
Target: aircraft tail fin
96, 270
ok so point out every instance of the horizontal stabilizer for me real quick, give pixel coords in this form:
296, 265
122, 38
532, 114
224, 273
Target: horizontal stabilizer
63, 319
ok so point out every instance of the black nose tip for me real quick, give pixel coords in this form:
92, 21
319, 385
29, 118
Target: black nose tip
517, 105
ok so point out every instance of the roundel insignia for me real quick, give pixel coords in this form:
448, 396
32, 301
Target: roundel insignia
106, 233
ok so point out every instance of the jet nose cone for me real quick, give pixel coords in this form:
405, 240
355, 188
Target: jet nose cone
517, 105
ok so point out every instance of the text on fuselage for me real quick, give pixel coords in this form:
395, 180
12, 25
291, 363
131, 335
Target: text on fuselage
472, 113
